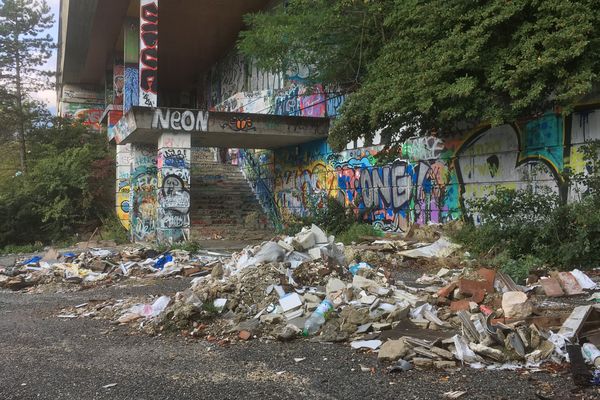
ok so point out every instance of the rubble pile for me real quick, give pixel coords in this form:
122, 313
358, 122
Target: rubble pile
101, 266
303, 286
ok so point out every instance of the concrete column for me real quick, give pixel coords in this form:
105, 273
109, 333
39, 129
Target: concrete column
131, 54
143, 199
148, 53
123, 183
174, 156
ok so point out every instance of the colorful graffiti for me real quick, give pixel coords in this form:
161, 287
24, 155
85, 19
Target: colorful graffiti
431, 179
131, 90
88, 114
118, 82
123, 188
148, 53
143, 200
173, 163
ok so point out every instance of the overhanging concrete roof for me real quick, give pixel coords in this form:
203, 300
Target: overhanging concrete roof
219, 129
193, 35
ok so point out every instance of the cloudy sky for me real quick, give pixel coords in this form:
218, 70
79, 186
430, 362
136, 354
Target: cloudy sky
49, 96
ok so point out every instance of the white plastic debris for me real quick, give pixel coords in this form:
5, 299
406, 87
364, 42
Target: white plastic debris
584, 281
440, 248
366, 344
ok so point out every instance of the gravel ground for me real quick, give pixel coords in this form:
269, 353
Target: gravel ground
44, 357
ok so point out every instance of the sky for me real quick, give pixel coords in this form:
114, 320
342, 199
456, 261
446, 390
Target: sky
49, 96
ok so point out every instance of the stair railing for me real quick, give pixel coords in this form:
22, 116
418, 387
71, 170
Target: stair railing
260, 187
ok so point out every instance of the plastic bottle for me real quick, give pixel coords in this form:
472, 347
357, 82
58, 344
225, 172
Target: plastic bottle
591, 353
314, 322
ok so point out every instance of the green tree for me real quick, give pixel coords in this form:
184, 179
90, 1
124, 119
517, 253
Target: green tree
23, 52
69, 187
417, 66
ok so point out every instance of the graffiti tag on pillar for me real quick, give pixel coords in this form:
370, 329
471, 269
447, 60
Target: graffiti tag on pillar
149, 53
180, 120
239, 124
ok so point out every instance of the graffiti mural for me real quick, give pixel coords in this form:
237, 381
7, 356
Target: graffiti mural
430, 179
88, 114
180, 120
148, 53
173, 165
123, 169
239, 124
143, 187
131, 89
118, 82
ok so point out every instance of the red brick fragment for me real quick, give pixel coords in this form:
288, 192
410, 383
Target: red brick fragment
489, 276
459, 305
447, 290
244, 335
476, 289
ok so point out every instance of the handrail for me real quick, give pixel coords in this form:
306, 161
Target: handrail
261, 188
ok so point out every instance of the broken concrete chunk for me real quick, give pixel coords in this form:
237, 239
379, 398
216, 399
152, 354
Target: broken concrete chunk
488, 352
304, 241
551, 287
422, 362
319, 235
315, 253
334, 285
393, 350
444, 364
271, 318
516, 305
442, 353
366, 344
286, 246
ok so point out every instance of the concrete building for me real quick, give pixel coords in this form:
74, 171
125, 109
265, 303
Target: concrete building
166, 85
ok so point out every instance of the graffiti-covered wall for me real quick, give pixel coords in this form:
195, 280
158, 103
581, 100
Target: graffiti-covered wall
430, 179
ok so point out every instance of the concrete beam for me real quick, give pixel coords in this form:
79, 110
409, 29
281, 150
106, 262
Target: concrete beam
144, 125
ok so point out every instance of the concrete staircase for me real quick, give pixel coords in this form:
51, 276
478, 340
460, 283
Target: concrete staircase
223, 205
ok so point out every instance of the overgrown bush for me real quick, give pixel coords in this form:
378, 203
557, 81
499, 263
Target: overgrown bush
66, 189
357, 231
325, 212
510, 221
524, 229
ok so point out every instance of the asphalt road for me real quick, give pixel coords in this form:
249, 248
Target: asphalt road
44, 357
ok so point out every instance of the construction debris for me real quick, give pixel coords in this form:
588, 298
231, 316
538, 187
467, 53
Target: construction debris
101, 266
310, 286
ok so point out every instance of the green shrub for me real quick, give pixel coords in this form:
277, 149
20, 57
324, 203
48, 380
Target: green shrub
26, 248
527, 229
112, 229
510, 221
518, 269
65, 190
356, 231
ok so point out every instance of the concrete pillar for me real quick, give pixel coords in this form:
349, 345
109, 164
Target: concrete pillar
148, 53
122, 196
131, 54
143, 189
174, 156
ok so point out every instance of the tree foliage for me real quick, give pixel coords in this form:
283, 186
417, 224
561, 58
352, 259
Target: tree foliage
23, 52
417, 66
69, 186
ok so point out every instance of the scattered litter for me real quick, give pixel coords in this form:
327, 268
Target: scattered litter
454, 395
366, 344
110, 385
456, 314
